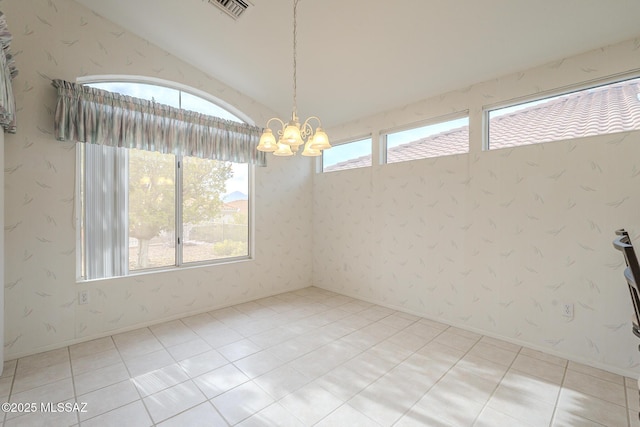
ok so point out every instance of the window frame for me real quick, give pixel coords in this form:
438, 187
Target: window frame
346, 142
544, 95
154, 81
179, 264
416, 125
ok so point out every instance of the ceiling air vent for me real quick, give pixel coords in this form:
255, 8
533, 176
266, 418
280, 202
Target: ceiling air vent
233, 8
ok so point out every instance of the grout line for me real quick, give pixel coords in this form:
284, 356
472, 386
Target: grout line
555, 406
374, 380
448, 370
13, 380
122, 360
626, 402
486, 404
433, 385
342, 363
73, 383
312, 308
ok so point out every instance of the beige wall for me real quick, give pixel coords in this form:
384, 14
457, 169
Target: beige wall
65, 40
494, 241
2, 250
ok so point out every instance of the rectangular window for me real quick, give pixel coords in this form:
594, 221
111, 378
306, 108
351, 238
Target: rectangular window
163, 211
350, 155
214, 226
441, 138
151, 218
597, 110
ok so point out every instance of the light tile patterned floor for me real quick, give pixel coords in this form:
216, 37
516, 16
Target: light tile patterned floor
312, 357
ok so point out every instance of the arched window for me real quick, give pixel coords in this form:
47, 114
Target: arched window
145, 210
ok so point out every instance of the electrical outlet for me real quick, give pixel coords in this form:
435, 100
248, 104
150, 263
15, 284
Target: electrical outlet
567, 309
83, 297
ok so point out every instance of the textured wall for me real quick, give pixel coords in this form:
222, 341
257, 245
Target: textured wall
2, 251
494, 241
61, 39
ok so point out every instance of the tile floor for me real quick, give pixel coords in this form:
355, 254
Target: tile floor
312, 357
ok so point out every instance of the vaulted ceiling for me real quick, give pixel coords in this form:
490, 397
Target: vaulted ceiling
360, 57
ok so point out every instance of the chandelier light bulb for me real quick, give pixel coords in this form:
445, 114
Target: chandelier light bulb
320, 140
267, 142
291, 135
310, 151
284, 150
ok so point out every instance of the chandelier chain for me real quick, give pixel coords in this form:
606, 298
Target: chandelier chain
293, 135
295, 74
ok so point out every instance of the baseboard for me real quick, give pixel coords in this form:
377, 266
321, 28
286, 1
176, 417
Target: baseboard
613, 369
74, 341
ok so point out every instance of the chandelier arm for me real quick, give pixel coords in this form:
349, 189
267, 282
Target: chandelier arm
282, 124
313, 118
306, 130
280, 131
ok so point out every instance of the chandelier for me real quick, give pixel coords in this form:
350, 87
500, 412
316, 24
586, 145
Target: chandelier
292, 135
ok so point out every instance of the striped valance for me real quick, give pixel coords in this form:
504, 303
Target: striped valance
95, 116
8, 71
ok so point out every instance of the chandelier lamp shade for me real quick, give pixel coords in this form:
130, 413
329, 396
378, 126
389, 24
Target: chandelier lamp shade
290, 136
